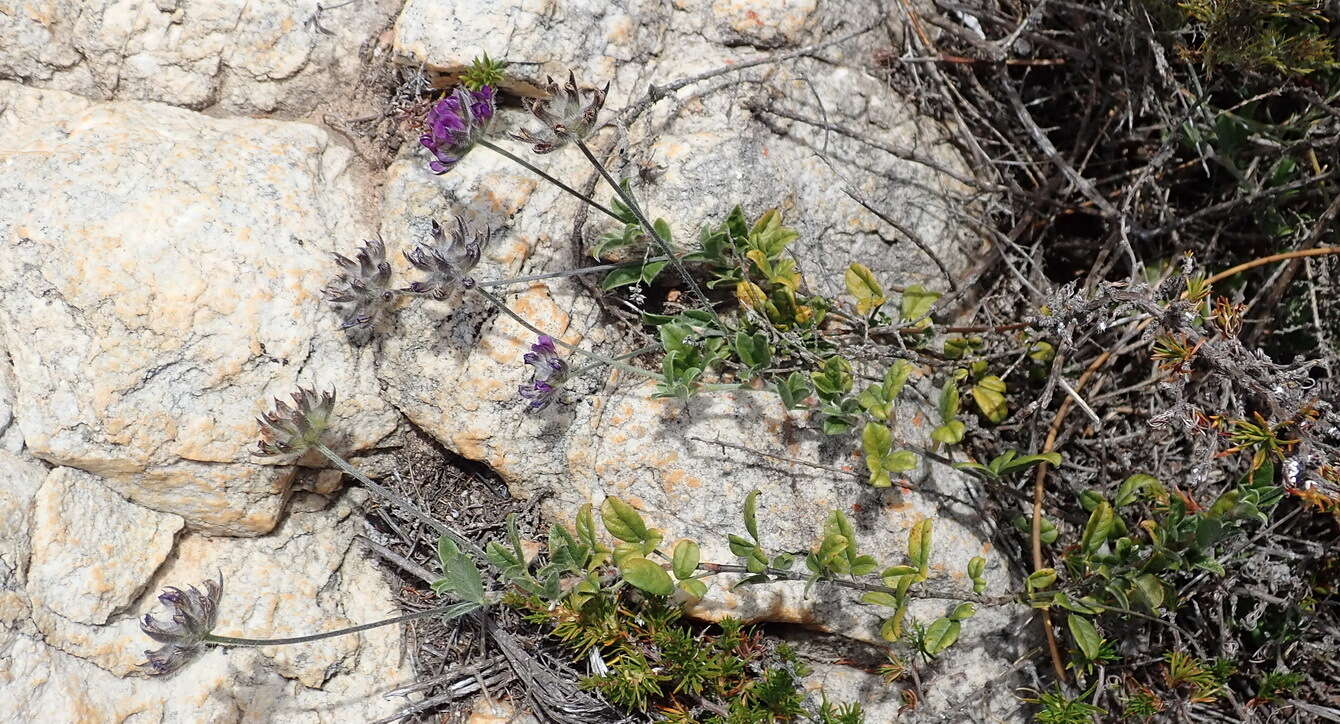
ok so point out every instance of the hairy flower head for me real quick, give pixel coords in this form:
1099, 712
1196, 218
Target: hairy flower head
361, 291
286, 430
565, 115
447, 262
192, 616
550, 371
454, 124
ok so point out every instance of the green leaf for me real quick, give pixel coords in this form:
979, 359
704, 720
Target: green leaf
1015, 464
740, 546
862, 285
694, 587
459, 574
1040, 579
1149, 589
751, 514
662, 230
876, 439
895, 378
586, 526
621, 277
833, 379
989, 394
940, 635
753, 350
651, 270
880, 598
949, 401
1085, 636
963, 611
977, 566
503, 559
917, 301
900, 461
919, 547
685, 559
646, 575
1096, 530
793, 390
950, 433
1025, 526
622, 521
896, 571
1132, 486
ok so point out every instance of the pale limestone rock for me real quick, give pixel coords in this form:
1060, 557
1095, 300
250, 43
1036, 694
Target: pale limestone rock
305, 577
161, 283
763, 23
20, 479
92, 550
453, 368
242, 56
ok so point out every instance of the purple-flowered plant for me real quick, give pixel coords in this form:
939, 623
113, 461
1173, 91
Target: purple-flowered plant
563, 114
550, 372
447, 263
455, 123
362, 291
193, 614
287, 430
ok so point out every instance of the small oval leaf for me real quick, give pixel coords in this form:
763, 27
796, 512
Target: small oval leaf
685, 559
646, 575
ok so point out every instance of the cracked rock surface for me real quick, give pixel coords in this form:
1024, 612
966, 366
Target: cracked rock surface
232, 56
161, 279
453, 368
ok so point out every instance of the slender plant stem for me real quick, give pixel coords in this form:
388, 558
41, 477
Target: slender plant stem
627, 355
867, 587
236, 641
535, 170
647, 227
571, 272
589, 355
398, 501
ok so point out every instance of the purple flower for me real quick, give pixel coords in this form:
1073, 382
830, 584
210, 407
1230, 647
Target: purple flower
550, 372
447, 262
454, 124
286, 430
194, 613
362, 291
567, 113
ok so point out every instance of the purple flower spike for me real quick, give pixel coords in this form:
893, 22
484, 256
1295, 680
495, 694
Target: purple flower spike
193, 614
550, 372
454, 124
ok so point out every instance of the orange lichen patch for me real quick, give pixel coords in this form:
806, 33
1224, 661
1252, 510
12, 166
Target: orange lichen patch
676, 477
621, 30
986, 548
918, 420
514, 253
469, 446
518, 190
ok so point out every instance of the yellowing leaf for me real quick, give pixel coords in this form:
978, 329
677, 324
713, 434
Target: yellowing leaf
989, 394
917, 301
862, 285
751, 296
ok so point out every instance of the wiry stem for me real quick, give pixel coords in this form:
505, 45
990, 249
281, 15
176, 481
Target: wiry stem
535, 170
572, 272
867, 587
589, 355
647, 227
236, 641
403, 504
